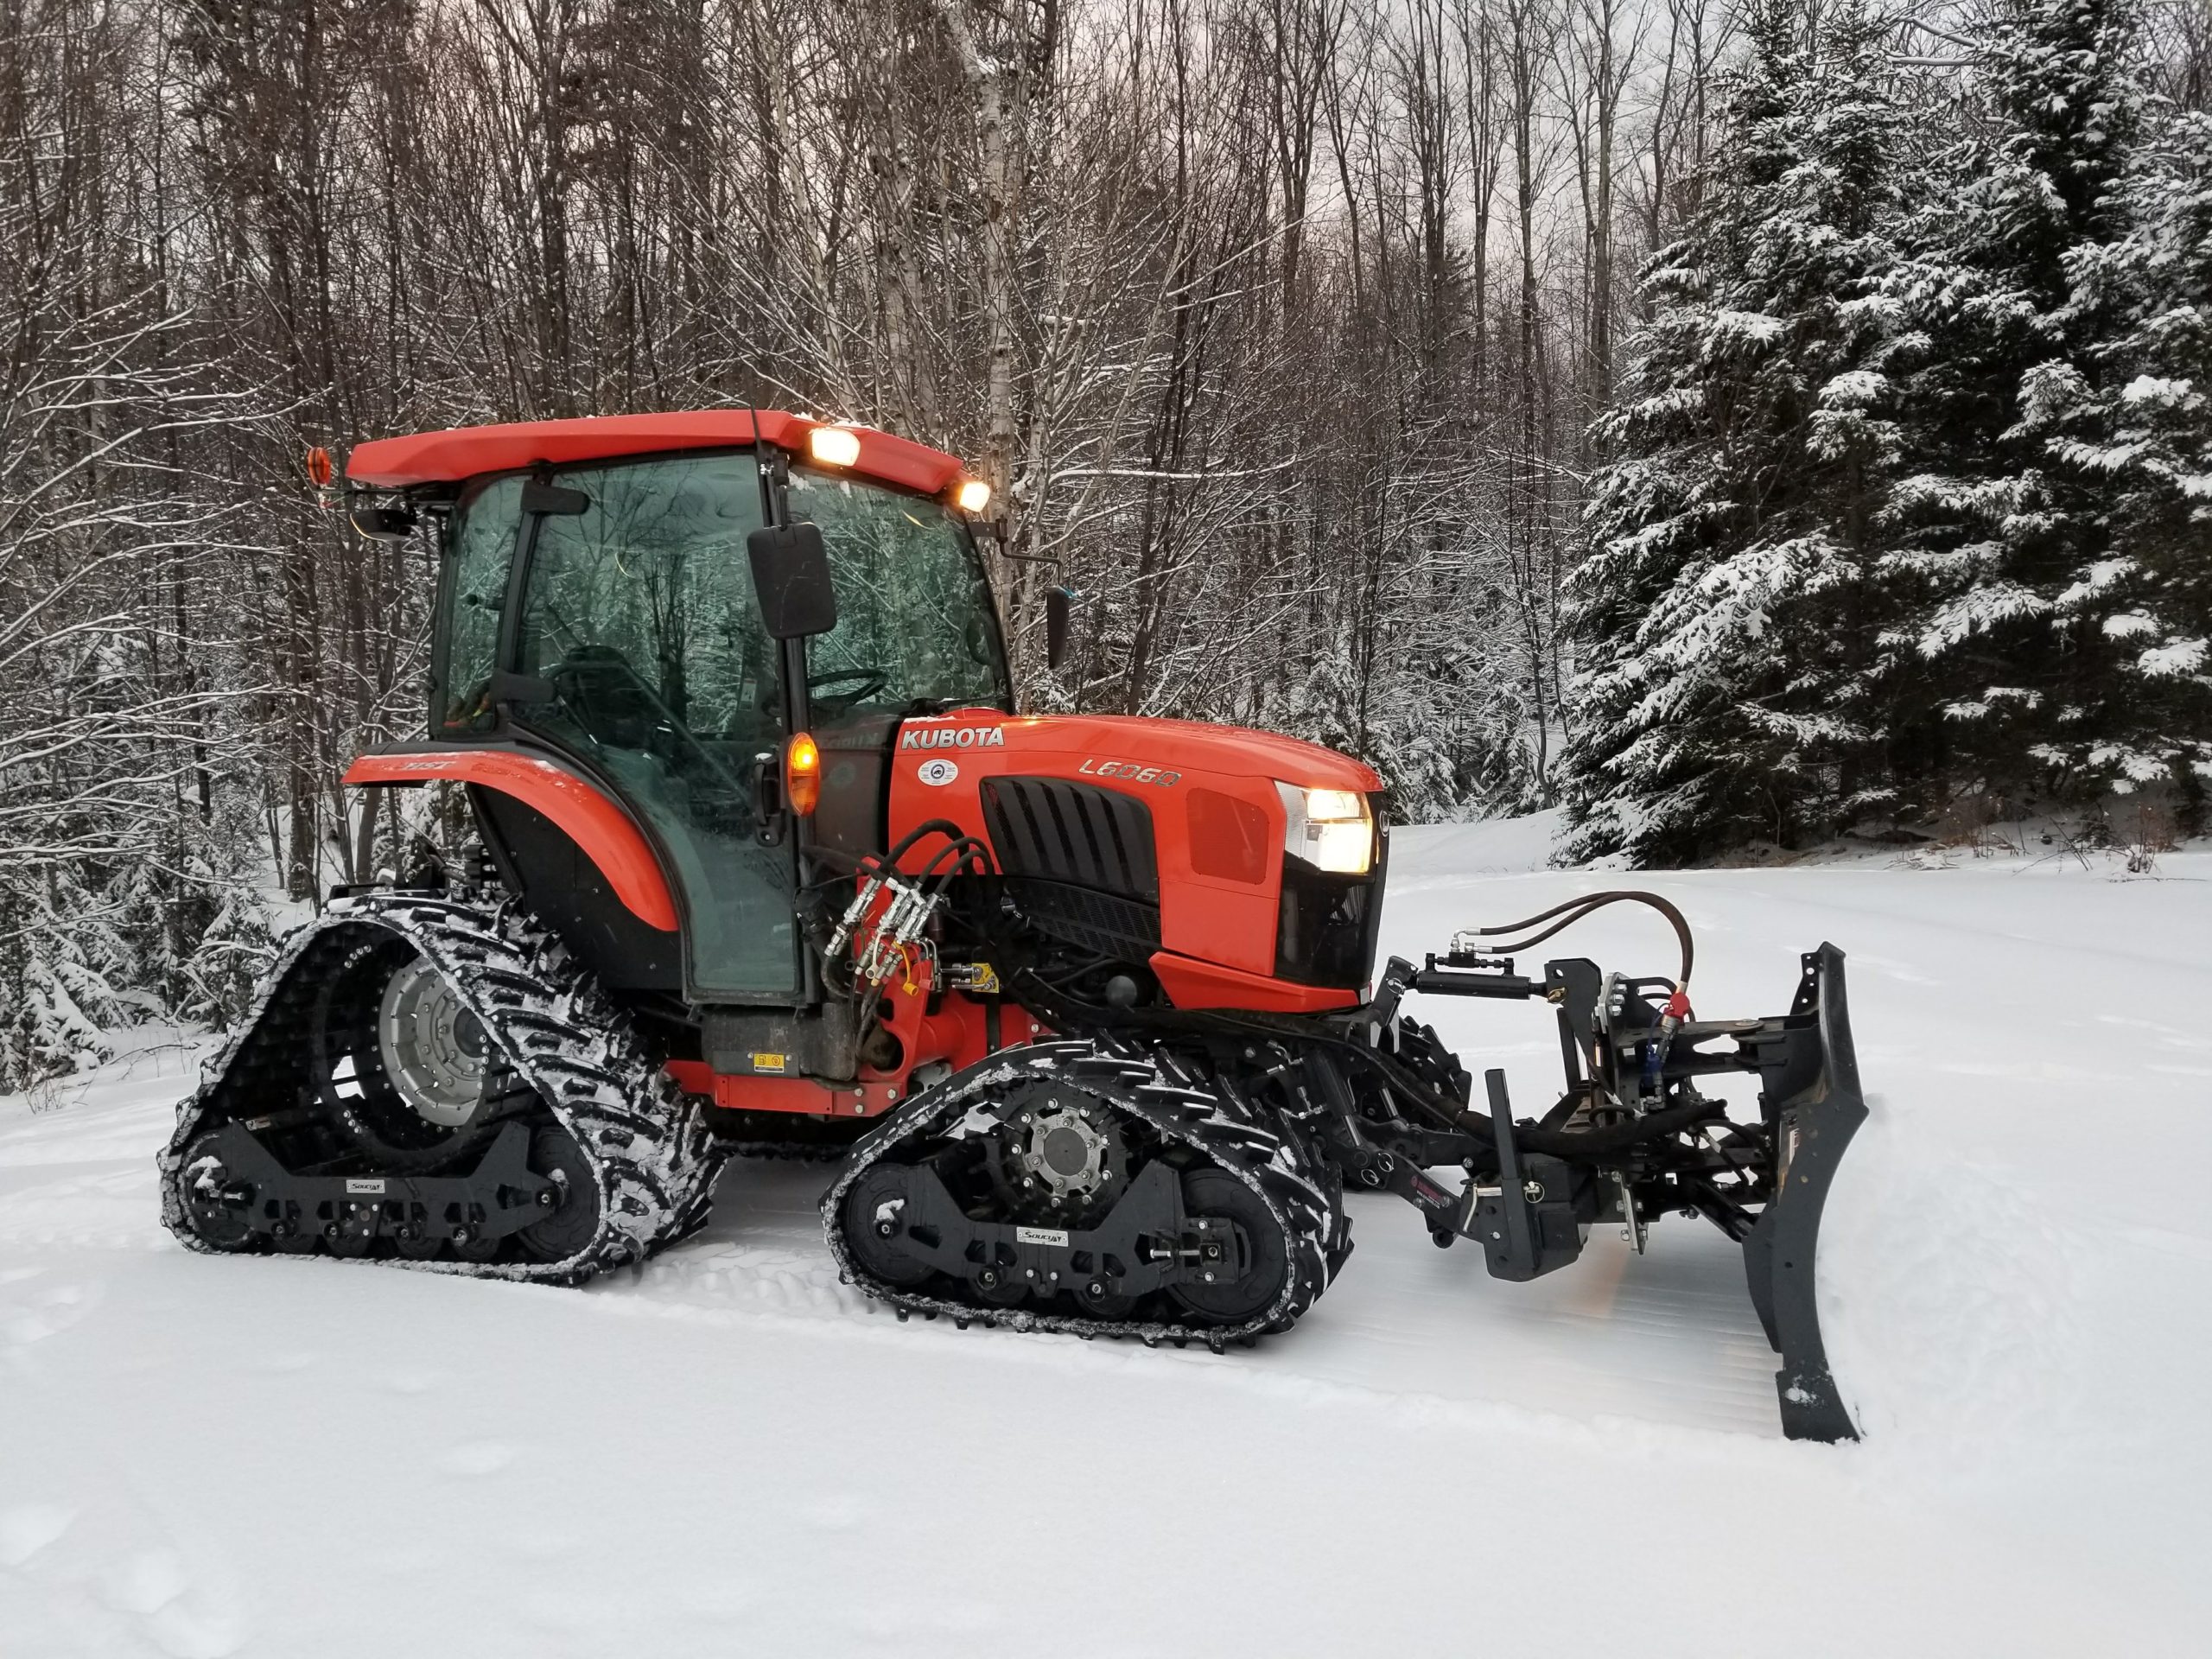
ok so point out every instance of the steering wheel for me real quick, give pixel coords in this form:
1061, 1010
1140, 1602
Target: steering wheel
860, 681
859, 684
864, 682
609, 699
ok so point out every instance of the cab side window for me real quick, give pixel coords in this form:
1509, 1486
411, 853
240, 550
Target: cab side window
482, 547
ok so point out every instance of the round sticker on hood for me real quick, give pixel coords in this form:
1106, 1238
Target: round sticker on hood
939, 770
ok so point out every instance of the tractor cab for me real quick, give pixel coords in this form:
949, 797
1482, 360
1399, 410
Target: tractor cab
603, 612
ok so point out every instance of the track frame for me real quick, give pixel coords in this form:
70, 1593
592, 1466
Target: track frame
652, 1160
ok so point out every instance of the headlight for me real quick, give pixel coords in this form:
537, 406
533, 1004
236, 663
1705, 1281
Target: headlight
1330, 829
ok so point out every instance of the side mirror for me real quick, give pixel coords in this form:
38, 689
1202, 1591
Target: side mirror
1058, 602
790, 579
383, 524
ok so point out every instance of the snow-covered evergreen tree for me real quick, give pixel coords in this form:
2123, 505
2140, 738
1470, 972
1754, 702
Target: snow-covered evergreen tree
2148, 443
1996, 535
1727, 626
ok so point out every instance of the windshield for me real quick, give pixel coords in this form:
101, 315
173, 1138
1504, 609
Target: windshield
914, 617
657, 569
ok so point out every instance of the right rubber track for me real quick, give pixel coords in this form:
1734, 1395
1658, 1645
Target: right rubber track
1183, 1108
655, 1159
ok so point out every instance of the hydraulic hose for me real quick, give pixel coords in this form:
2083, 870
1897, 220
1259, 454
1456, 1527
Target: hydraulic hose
1678, 1005
1586, 904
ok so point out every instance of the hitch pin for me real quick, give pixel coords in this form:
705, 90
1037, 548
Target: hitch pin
1633, 1233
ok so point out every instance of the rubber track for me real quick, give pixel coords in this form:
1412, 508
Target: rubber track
656, 1161
1181, 1107
787, 1152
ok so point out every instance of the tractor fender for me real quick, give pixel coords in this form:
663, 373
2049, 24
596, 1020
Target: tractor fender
601, 828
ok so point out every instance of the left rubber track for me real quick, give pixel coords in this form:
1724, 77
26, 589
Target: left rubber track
652, 1158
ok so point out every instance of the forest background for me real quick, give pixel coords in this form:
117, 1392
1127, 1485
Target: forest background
1742, 424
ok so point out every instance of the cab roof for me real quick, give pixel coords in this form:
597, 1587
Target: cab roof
464, 451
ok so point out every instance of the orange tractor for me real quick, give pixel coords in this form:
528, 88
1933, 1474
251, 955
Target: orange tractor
1082, 1007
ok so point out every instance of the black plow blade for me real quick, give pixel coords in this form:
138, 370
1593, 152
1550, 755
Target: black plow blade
1811, 1098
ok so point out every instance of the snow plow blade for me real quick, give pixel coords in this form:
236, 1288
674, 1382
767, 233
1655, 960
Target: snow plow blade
1813, 1094
1635, 1136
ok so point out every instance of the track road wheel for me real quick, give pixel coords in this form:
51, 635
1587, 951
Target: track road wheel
570, 1225
354, 1232
872, 1210
1099, 1300
218, 1216
1215, 1193
999, 1286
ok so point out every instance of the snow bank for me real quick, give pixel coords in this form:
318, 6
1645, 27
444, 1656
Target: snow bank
1452, 852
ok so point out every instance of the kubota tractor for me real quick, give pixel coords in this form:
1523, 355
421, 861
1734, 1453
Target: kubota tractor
1082, 1006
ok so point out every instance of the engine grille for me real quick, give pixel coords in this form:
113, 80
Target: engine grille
1050, 829
1123, 928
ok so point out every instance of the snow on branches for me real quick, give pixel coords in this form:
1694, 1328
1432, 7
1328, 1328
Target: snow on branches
1912, 489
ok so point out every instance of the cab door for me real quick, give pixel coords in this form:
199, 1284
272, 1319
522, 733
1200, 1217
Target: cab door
639, 613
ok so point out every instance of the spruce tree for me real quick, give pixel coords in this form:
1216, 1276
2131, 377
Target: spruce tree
2002, 666
2145, 432
1724, 614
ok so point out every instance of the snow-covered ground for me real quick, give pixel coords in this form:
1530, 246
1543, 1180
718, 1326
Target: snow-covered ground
730, 1453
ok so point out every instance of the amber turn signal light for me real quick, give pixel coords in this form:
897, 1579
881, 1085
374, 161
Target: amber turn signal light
803, 775
834, 446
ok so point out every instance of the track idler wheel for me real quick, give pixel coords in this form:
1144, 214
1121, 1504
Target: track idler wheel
476, 1249
570, 1223
1248, 1285
872, 1221
219, 1213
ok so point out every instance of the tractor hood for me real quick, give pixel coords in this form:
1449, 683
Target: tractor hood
1167, 840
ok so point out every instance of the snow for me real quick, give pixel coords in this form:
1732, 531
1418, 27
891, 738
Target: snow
1730, 327
2182, 656
2154, 388
730, 1453
1854, 389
